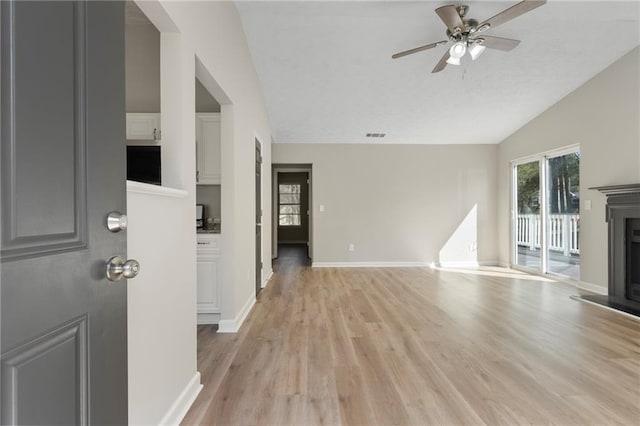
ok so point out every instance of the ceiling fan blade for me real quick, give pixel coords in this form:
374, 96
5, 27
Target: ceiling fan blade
442, 64
451, 18
510, 13
418, 49
498, 43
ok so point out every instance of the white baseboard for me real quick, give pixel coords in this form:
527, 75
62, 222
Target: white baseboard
181, 405
468, 264
593, 288
232, 326
208, 318
266, 281
403, 264
370, 264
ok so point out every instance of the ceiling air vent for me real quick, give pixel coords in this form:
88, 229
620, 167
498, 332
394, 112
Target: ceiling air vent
376, 135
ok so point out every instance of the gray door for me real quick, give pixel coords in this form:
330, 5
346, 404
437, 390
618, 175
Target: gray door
258, 218
64, 326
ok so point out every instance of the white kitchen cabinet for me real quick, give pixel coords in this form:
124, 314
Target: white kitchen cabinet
208, 149
143, 126
208, 278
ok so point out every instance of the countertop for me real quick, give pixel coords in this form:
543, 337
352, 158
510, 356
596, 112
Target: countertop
208, 231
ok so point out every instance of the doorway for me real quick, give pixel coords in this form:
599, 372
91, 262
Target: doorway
292, 195
546, 221
258, 217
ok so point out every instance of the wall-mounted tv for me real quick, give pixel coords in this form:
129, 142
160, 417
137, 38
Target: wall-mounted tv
144, 164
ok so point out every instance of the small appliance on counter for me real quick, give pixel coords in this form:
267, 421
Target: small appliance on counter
199, 216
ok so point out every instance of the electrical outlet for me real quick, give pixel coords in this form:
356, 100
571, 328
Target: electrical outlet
321, 208
352, 247
587, 204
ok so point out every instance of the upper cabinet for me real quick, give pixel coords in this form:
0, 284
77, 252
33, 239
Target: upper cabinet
143, 126
208, 171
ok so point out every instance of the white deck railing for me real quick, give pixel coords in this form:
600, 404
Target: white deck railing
563, 232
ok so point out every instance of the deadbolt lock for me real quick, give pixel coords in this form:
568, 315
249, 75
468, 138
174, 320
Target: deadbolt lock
117, 221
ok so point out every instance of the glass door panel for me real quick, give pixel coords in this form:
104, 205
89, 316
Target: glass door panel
527, 227
563, 215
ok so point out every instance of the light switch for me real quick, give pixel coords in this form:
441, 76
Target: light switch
587, 204
321, 208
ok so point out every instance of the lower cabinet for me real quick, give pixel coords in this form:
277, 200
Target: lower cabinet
208, 276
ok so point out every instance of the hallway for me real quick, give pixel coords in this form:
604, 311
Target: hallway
291, 255
418, 346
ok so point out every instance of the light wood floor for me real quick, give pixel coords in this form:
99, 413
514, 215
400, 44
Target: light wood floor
419, 346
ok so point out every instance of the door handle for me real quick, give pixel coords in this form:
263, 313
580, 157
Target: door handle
118, 268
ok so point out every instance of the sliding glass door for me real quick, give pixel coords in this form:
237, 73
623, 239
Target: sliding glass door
563, 218
546, 220
528, 220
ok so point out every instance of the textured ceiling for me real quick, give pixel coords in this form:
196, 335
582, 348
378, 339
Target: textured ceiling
328, 77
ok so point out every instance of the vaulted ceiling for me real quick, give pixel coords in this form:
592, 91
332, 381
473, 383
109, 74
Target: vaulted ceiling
328, 77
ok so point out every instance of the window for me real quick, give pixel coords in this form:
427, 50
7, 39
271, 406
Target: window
289, 204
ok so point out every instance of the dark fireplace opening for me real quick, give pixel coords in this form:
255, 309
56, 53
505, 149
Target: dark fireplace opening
633, 259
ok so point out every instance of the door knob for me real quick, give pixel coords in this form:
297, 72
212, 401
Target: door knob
118, 268
117, 221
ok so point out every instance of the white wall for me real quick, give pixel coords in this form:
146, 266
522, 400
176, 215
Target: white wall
212, 31
142, 58
400, 203
209, 195
204, 101
603, 117
161, 325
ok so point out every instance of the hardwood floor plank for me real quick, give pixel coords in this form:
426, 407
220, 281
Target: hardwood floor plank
419, 346
379, 388
355, 408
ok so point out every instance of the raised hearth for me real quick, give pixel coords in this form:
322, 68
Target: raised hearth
623, 217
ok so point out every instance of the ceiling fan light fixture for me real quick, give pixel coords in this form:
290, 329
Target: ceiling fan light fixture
465, 34
453, 61
458, 50
476, 50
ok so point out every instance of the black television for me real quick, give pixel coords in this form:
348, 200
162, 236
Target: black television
143, 164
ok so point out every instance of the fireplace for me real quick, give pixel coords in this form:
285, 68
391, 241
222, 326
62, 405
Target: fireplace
623, 218
632, 276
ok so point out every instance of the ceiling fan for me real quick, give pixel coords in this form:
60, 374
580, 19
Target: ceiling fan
465, 33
